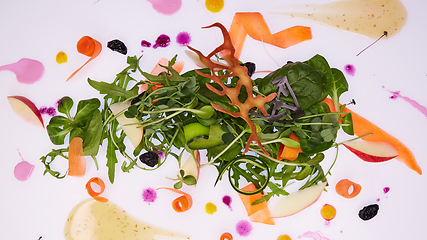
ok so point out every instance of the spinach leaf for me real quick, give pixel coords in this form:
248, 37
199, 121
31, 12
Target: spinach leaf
93, 134
58, 128
85, 108
339, 86
64, 106
320, 64
304, 80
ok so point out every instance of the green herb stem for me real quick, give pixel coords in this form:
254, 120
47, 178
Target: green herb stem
275, 160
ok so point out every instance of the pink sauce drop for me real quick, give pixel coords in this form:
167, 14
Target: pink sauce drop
313, 235
227, 201
413, 103
244, 228
350, 69
183, 38
149, 195
23, 170
27, 70
167, 7
386, 190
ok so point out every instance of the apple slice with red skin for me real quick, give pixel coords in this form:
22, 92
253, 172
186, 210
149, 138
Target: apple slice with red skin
25, 108
129, 125
191, 166
297, 201
371, 151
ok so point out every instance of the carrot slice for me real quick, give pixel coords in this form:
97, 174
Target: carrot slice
343, 187
93, 193
289, 153
178, 66
182, 203
89, 47
258, 212
76, 160
362, 127
226, 236
254, 25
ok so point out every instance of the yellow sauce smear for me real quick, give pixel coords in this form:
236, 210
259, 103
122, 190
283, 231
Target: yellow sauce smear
93, 220
366, 17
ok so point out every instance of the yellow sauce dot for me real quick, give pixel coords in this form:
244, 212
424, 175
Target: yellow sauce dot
61, 57
210, 208
328, 212
214, 5
284, 237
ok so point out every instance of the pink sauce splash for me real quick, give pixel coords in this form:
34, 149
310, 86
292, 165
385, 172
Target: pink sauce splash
413, 103
244, 228
183, 38
27, 70
167, 7
149, 195
313, 235
23, 170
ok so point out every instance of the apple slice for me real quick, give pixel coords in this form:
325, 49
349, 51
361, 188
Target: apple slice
134, 131
191, 166
26, 109
297, 201
371, 151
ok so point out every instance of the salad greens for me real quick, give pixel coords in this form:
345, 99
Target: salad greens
182, 115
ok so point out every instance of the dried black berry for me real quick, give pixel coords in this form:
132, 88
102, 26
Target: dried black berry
369, 212
118, 46
137, 99
250, 66
149, 158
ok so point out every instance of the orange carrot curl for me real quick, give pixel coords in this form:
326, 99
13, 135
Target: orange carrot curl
182, 203
254, 25
343, 188
93, 193
89, 47
226, 236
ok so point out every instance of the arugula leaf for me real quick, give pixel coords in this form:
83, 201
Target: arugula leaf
111, 89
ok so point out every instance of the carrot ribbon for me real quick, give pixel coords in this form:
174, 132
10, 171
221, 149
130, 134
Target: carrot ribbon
93, 193
76, 160
89, 47
182, 203
254, 25
363, 127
